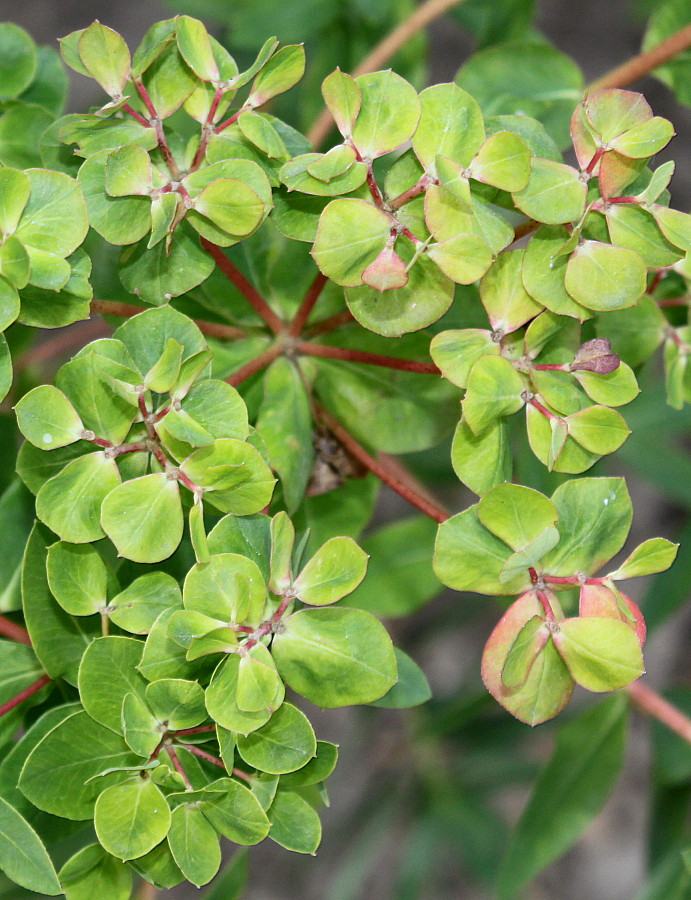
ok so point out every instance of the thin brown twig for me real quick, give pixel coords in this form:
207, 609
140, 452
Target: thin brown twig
61, 343
212, 329
255, 364
642, 63
362, 356
650, 702
248, 291
13, 631
307, 304
385, 49
344, 317
24, 695
394, 481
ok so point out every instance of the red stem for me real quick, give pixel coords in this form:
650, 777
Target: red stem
198, 729
375, 466
177, 765
675, 301
622, 200
157, 125
595, 160
22, 695
362, 356
651, 703
202, 754
138, 117
345, 317
229, 121
543, 409
418, 188
13, 631
307, 304
254, 298
213, 329
207, 130
254, 365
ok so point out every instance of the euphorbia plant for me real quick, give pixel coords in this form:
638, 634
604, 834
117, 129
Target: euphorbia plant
198, 474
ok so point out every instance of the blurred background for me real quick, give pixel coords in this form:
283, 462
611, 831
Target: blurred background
422, 801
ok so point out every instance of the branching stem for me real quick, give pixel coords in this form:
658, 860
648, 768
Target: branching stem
254, 365
24, 694
362, 356
307, 304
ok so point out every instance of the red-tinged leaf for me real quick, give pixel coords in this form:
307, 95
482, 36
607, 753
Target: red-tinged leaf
524, 651
548, 686
613, 111
601, 600
584, 140
386, 272
616, 171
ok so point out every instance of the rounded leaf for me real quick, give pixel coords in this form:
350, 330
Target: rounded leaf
284, 744
602, 654
131, 818
334, 571
47, 418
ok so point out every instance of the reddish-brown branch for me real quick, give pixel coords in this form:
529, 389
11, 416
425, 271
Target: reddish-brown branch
13, 631
675, 301
23, 695
177, 765
650, 702
62, 342
418, 188
212, 329
642, 63
254, 365
401, 34
250, 293
520, 231
307, 304
433, 510
202, 754
543, 409
198, 729
344, 317
362, 356
138, 117
157, 125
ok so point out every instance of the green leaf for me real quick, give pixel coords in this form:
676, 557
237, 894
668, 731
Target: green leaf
282, 542
258, 680
92, 872
231, 205
329, 165
554, 193
286, 743
120, 220
233, 474
463, 258
495, 389
526, 77
165, 371
284, 69
388, 115
229, 587
178, 702
645, 139
128, 171
503, 161
248, 536
335, 657
569, 791
143, 517
195, 47
481, 461
594, 520
294, 824
131, 818
137, 607
47, 418
636, 229
285, 425
55, 217
107, 673
544, 270
411, 689
455, 352
610, 388
334, 571
516, 514
194, 844
238, 815
548, 685
56, 774
675, 226
597, 428
78, 578
23, 857
450, 125
15, 187
258, 130
231, 882
523, 652
70, 502
350, 236
425, 297
602, 277
653, 555
602, 654
139, 726
506, 301
163, 657
343, 98
105, 56
467, 557
18, 55
297, 175
221, 701
169, 81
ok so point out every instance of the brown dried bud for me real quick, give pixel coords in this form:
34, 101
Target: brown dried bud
595, 356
